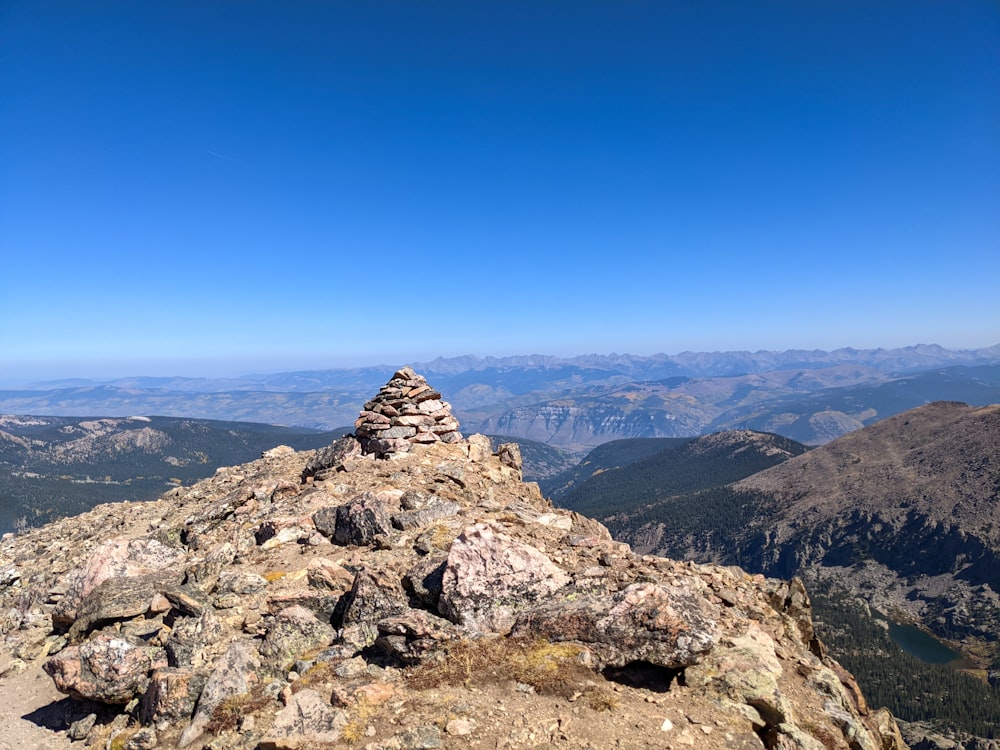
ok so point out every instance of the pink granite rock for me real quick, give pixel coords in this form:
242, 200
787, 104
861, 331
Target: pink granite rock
489, 577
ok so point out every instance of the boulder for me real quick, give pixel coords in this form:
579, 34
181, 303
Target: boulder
326, 575
666, 625
279, 530
186, 600
410, 636
295, 630
414, 519
480, 448
190, 638
423, 580
490, 577
240, 582
332, 458
170, 697
116, 558
510, 455
117, 599
371, 599
205, 572
362, 520
236, 673
107, 668
746, 670
358, 522
892, 738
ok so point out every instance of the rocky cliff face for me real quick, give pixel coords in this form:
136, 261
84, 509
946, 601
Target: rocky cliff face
584, 417
579, 425
419, 595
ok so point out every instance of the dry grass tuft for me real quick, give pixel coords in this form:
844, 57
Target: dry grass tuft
361, 715
442, 536
100, 736
511, 519
320, 673
600, 699
550, 668
226, 716
352, 733
120, 740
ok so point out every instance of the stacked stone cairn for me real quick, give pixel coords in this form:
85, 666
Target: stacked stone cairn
405, 411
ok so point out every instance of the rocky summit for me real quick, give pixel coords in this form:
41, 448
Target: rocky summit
404, 589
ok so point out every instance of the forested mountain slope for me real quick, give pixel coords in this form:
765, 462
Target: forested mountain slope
652, 484
60, 466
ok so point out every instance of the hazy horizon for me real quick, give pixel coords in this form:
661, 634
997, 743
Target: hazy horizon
221, 371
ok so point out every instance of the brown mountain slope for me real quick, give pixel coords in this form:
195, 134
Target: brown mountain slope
427, 598
940, 461
906, 510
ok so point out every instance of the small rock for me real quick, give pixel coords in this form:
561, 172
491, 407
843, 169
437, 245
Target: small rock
420, 738
351, 668
144, 739
460, 727
327, 575
79, 729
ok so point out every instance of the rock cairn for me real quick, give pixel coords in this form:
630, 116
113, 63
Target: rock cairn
405, 411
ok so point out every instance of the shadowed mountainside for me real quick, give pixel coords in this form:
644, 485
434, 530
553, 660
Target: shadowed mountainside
694, 466
606, 456
904, 512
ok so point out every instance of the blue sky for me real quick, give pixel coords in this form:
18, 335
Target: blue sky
207, 188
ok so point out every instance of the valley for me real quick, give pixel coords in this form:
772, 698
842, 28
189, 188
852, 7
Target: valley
51, 467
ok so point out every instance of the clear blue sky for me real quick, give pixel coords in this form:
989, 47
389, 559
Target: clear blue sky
202, 187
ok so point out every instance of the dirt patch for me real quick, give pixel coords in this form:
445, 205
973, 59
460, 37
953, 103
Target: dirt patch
33, 714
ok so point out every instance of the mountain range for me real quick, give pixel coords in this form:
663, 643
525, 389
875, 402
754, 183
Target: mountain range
575, 403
